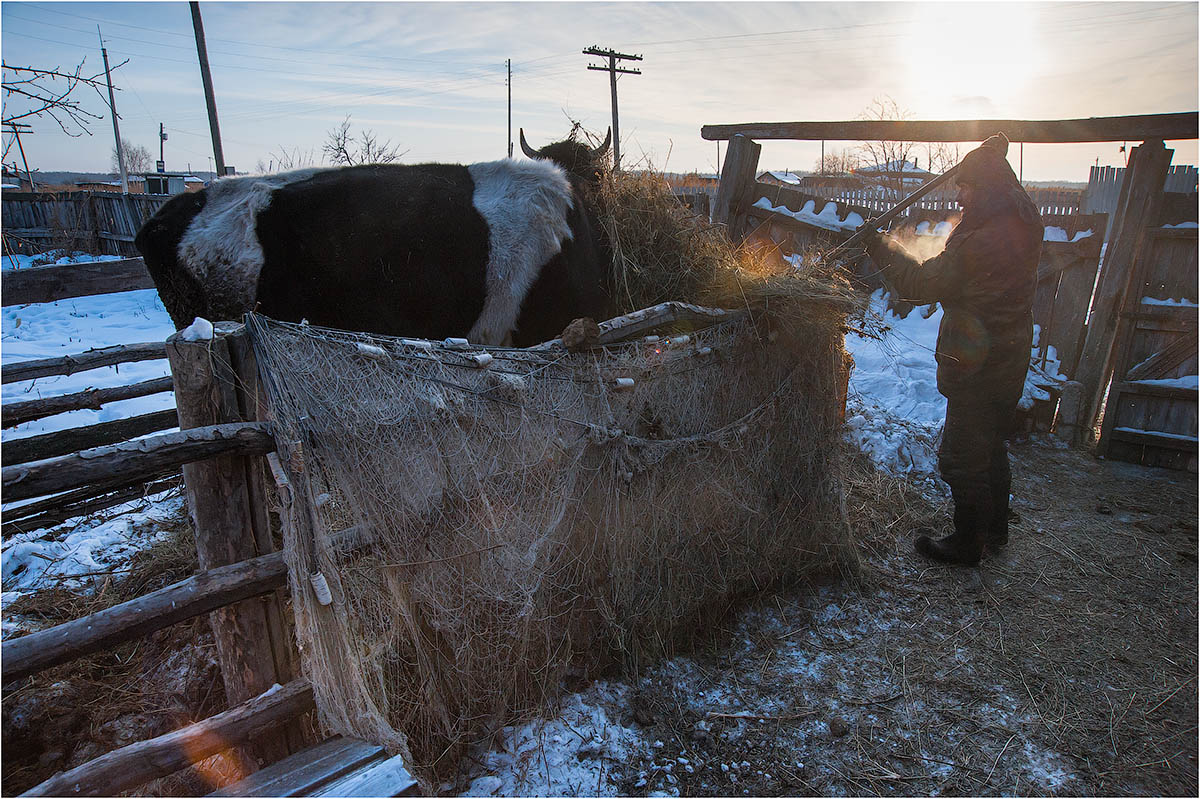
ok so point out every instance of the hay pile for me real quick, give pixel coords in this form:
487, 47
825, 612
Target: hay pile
512, 522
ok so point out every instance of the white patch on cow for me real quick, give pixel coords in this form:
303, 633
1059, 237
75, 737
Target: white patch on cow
220, 247
525, 205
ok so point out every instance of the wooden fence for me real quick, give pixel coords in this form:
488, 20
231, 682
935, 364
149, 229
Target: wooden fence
878, 199
86, 221
1103, 191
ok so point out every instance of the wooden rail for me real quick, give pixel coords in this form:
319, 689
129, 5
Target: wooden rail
74, 439
82, 362
1050, 131
63, 281
132, 765
15, 413
81, 502
133, 459
204, 592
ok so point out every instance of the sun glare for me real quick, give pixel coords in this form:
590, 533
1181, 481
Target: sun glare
979, 55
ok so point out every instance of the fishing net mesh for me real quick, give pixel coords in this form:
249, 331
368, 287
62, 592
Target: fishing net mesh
483, 529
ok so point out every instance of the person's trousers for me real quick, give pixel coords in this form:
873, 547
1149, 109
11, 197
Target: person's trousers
973, 461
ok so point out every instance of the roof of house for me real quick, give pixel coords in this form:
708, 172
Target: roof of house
783, 177
907, 168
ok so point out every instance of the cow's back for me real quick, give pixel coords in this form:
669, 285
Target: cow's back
381, 248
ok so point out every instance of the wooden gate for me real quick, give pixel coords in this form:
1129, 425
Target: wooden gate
1065, 278
1151, 413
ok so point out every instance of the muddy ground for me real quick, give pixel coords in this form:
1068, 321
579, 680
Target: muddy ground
1066, 665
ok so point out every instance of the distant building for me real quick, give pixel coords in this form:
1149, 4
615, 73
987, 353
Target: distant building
777, 178
171, 182
13, 180
894, 171
137, 185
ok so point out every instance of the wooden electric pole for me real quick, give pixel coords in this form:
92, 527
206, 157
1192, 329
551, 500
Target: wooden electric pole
16, 129
206, 77
508, 63
612, 70
112, 106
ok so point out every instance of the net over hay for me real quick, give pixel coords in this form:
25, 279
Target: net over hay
510, 521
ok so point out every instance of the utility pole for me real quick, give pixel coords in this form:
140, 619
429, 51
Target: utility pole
112, 105
612, 70
508, 63
206, 78
162, 137
16, 128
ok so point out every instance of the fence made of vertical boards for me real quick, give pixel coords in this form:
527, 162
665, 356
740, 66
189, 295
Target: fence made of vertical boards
1103, 191
98, 222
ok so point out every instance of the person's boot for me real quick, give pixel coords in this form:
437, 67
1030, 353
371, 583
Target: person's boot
964, 546
997, 529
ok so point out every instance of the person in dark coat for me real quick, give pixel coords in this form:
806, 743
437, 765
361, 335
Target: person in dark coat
985, 280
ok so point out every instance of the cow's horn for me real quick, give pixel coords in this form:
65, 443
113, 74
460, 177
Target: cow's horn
603, 148
525, 148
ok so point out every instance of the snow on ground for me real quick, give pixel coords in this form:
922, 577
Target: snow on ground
27, 332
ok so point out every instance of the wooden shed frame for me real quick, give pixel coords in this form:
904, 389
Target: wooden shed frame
1138, 210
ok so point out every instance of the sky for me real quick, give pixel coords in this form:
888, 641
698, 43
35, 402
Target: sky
430, 78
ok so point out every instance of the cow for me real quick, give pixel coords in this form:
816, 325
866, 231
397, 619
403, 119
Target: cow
500, 252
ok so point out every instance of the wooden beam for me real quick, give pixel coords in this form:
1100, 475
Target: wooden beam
136, 618
82, 362
738, 175
132, 765
16, 413
64, 442
64, 281
1057, 131
134, 459
225, 519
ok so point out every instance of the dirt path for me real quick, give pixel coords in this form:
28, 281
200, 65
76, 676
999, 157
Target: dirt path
1067, 665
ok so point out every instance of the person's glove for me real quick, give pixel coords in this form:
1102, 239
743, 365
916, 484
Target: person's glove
875, 243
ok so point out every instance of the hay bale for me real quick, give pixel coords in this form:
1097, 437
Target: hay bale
553, 510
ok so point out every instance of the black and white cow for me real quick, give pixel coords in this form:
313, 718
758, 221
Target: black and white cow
498, 252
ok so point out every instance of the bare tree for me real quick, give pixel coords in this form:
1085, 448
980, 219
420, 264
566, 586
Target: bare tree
838, 162
345, 149
889, 156
283, 160
39, 93
137, 158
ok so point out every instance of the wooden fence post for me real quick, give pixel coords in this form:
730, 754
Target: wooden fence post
1141, 195
738, 174
231, 525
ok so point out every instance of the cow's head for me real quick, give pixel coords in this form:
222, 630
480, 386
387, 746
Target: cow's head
580, 161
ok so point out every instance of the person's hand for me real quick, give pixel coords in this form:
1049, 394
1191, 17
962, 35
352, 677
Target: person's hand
874, 241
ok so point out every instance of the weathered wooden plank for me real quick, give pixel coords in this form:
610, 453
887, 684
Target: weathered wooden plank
133, 459
63, 442
51, 283
1165, 440
304, 772
16, 413
220, 503
384, 778
1140, 195
194, 596
132, 765
738, 175
1165, 360
1130, 388
82, 362
1048, 131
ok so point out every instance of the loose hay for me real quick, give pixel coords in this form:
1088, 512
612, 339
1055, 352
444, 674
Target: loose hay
511, 523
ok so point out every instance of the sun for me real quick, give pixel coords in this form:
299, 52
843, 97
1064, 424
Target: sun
976, 55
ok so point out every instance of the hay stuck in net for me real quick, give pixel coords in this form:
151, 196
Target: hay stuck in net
511, 521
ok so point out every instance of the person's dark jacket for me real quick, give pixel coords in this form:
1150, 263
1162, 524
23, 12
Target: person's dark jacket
985, 280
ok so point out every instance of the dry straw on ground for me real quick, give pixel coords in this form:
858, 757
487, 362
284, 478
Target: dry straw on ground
532, 518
